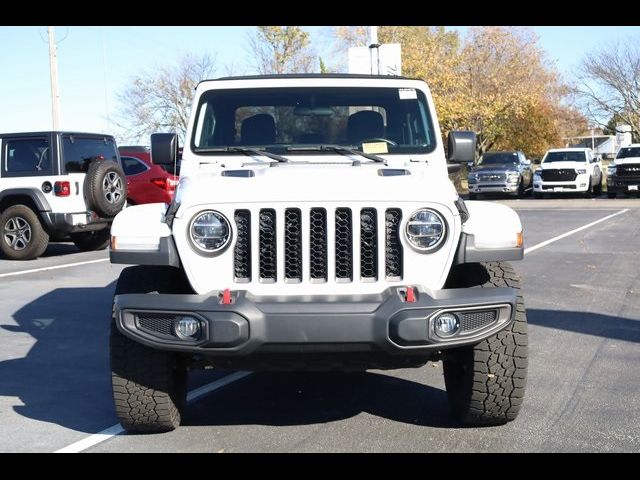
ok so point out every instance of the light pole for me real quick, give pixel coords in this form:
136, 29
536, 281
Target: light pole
53, 69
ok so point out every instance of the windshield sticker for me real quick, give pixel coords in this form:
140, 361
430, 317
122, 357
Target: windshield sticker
375, 147
407, 93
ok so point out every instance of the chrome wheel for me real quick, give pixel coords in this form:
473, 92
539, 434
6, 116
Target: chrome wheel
112, 187
17, 233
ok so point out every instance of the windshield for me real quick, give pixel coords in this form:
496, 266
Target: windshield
495, 158
385, 120
628, 152
564, 157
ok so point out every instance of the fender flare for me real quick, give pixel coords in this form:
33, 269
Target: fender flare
33, 193
492, 232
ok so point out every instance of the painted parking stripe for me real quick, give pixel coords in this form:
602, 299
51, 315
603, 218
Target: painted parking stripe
198, 393
113, 430
55, 267
571, 232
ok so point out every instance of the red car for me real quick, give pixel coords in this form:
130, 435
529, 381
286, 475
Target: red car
147, 182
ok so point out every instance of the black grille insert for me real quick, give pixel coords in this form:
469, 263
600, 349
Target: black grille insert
368, 244
242, 251
157, 323
628, 170
344, 244
293, 244
473, 320
267, 239
393, 247
559, 175
318, 244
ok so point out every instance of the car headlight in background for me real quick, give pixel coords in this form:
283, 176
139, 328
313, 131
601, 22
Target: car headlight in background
209, 232
425, 230
580, 171
513, 177
611, 170
472, 178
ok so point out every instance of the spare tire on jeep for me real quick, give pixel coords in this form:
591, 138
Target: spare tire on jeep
105, 188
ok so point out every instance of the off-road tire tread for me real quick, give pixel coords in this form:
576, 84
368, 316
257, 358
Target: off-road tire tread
149, 386
493, 392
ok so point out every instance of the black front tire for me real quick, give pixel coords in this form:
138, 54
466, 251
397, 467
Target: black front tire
21, 234
538, 195
149, 385
90, 241
611, 194
486, 382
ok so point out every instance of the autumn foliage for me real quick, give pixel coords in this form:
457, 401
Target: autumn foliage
495, 81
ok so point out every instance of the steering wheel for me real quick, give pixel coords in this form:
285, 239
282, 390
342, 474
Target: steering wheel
386, 140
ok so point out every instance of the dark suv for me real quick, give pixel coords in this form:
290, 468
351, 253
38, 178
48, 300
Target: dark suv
501, 172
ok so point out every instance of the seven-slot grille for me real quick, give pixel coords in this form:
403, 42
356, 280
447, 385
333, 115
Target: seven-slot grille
559, 175
329, 239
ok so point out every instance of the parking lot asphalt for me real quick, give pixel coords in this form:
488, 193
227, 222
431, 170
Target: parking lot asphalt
583, 391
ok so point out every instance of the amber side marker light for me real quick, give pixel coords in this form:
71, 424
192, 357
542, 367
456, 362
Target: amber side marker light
113, 242
519, 239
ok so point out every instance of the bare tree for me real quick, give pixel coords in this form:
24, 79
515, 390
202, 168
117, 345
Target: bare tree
278, 49
609, 84
160, 100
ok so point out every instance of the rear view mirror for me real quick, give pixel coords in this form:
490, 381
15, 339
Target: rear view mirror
164, 148
313, 111
462, 147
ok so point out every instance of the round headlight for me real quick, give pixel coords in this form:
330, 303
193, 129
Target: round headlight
210, 231
425, 230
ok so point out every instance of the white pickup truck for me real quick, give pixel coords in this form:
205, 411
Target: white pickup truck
568, 170
315, 228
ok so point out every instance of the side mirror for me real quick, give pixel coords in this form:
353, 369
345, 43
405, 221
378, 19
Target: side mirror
537, 161
164, 149
462, 147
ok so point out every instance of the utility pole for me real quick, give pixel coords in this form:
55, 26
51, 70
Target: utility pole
53, 67
374, 53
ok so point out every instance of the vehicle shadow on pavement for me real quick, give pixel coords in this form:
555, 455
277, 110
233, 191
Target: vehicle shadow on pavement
606, 326
303, 398
59, 249
64, 377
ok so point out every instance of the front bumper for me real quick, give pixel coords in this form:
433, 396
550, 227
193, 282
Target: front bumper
623, 184
383, 322
560, 187
493, 187
60, 224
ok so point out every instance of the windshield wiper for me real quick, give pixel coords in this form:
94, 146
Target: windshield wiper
341, 149
246, 151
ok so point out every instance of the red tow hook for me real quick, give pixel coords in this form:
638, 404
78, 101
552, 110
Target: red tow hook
226, 297
410, 296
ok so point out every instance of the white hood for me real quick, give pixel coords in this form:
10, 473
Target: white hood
562, 165
623, 161
317, 183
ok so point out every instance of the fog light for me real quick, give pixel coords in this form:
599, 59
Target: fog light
446, 325
187, 328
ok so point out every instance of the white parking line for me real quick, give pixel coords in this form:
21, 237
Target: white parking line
571, 232
116, 429
196, 394
55, 267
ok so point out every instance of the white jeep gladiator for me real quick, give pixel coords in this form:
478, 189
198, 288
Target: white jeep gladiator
315, 228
